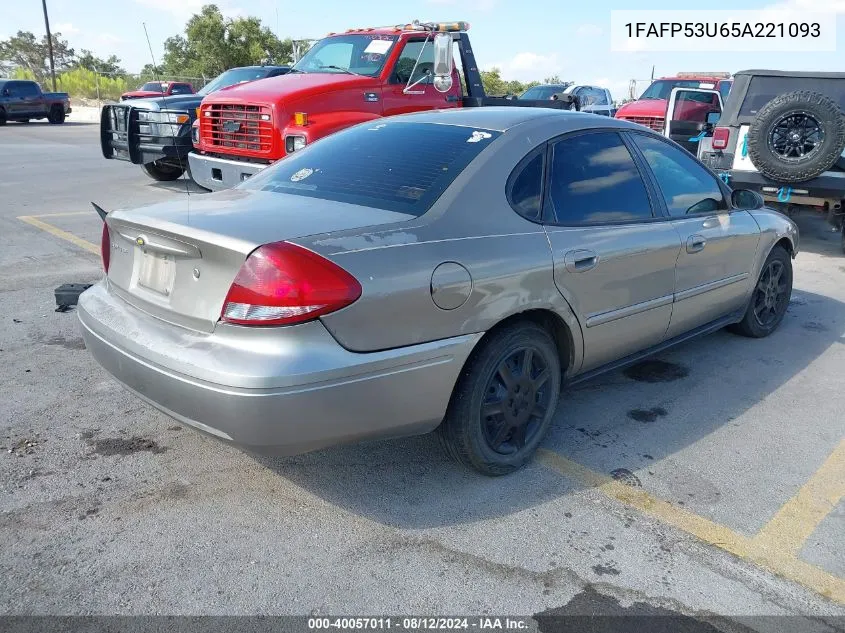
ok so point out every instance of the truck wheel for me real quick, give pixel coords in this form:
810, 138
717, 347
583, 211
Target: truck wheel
796, 136
504, 400
770, 297
2, 116
162, 171
57, 115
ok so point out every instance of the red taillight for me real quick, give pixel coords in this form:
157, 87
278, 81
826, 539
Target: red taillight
721, 136
105, 247
282, 284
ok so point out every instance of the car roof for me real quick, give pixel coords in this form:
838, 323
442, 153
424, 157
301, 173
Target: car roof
502, 118
792, 73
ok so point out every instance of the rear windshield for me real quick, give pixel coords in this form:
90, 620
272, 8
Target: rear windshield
764, 89
397, 166
542, 92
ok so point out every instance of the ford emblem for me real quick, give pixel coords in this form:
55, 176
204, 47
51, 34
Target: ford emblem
231, 126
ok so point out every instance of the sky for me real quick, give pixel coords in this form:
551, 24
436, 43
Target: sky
526, 39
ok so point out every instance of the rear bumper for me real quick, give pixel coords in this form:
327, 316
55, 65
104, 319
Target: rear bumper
278, 391
829, 185
220, 173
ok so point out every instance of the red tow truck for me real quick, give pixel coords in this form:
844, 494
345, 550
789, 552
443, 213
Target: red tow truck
344, 79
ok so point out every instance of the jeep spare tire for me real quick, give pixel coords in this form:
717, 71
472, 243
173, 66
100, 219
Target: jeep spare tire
796, 136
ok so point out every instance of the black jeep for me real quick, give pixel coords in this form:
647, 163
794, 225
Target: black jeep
783, 134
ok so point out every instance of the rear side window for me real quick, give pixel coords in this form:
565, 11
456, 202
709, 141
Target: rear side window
181, 89
525, 187
761, 90
393, 165
687, 187
725, 89
594, 180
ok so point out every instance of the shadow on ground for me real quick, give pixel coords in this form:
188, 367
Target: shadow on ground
626, 419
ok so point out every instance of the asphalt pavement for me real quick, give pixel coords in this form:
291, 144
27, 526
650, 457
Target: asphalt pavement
708, 482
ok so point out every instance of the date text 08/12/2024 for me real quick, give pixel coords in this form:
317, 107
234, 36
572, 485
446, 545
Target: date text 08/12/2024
481, 623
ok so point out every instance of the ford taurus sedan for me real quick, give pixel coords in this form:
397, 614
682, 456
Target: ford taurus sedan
443, 270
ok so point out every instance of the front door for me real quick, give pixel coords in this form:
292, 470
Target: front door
614, 256
410, 87
686, 115
719, 245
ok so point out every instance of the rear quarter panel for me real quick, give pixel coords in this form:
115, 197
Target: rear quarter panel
508, 259
774, 227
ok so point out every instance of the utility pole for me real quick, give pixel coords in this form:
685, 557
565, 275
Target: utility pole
49, 44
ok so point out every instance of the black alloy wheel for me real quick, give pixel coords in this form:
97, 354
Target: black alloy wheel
517, 398
796, 136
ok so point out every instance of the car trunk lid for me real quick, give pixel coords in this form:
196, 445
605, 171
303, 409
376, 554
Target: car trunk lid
177, 260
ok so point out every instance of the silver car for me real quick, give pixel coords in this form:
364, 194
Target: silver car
443, 270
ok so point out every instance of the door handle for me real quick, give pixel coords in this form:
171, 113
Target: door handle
711, 223
580, 261
696, 243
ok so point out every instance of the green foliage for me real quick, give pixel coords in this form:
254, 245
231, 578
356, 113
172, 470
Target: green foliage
495, 86
84, 83
25, 51
110, 66
212, 44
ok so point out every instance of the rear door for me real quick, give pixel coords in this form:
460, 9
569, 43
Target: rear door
614, 254
686, 115
34, 104
410, 88
719, 245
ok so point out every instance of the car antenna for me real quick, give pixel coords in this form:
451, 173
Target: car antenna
164, 98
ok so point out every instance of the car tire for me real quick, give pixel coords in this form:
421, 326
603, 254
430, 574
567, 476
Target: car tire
770, 297
162, 172
57, 115
500, 409
809, 106
2, 116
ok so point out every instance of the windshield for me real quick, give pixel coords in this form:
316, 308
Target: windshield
153, 86
542, 92
662, 89
359, 54
232, 77
397, 166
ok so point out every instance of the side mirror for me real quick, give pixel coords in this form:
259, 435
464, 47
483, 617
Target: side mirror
443, 62
713, 117
746, 200
6, 92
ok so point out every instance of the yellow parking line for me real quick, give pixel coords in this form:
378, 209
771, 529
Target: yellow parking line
60, 215
775, 560
793, 524
57, 232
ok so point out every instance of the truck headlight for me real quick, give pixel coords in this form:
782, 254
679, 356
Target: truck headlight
294, 143
163, 117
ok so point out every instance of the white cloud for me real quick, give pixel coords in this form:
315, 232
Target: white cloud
530, 66
473, 5
108, 38
807, 6
589, 30
65, 28
184, 9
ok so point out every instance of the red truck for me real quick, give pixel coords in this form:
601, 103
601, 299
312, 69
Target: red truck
159, 89
344, 79
650, 108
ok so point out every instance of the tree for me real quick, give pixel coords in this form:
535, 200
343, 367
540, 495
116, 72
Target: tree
493, 83
25, 51
212, 44
109, 66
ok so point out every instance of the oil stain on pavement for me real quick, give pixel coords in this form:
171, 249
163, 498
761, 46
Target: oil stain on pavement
111, 446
